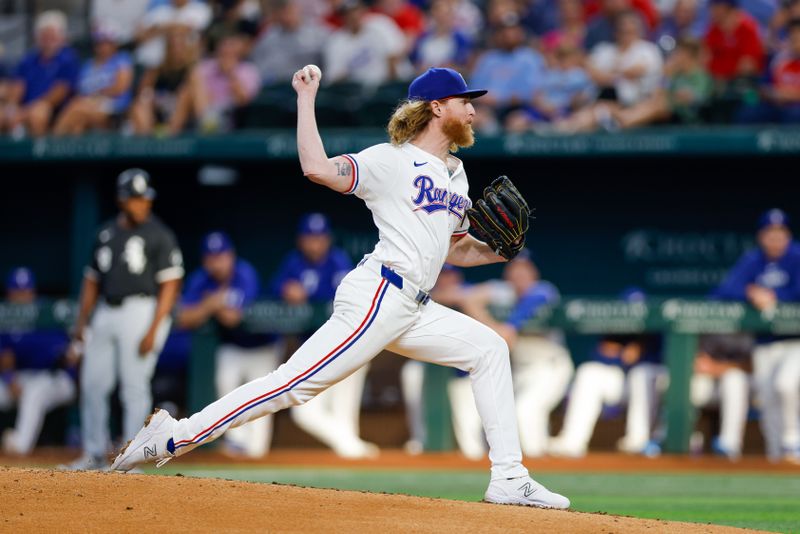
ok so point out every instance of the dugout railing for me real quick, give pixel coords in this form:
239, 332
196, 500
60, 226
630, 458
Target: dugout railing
680, 321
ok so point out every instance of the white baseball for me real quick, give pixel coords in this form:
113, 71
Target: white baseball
308, 69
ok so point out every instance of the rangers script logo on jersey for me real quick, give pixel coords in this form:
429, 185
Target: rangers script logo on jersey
432, 199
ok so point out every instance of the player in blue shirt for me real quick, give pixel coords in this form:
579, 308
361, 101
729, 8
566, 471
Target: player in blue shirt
43, 80
542, 366
34, 376
311, 273
219, 291
764, 277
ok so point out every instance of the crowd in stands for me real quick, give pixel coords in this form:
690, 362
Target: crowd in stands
550, 65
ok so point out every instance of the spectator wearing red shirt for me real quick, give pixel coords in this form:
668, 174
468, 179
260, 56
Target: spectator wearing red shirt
781, 97
733, 42
406, 15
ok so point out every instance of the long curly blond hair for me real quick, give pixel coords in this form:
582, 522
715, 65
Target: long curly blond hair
409, 119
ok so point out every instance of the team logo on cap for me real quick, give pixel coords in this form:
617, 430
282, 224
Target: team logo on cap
214, 241
316, 223
139, 184
22, 277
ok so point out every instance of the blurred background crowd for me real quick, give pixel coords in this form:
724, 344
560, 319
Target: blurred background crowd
164, 67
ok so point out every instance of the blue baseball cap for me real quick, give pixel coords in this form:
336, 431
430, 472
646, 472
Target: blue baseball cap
216, 243
314, 224
525, 255
773, 217
437, 84
633, 294
20, 279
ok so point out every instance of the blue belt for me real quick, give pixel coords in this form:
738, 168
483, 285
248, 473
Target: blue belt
419, 296
397, 280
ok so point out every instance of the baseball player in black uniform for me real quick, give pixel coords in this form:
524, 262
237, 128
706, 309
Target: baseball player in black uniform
132, 281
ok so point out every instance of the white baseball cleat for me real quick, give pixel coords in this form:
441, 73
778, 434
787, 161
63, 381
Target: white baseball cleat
153, 443
524, 491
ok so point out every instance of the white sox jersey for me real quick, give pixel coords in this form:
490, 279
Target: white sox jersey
417, 205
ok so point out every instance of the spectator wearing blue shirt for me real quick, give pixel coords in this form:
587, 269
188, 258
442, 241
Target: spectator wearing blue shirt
34, 375
688, 18
764, 277
509, 70
103, 87
441, 45
542, 366
311, 274
219, 292
43, 80
563, 87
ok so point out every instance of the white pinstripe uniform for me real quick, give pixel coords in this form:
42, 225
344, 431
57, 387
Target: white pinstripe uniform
418, 205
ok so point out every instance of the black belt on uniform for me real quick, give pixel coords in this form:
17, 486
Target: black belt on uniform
115, 302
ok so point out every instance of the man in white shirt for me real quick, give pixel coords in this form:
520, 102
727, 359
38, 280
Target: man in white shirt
288, 43
626, 71
109, 13
369, 49
192, 15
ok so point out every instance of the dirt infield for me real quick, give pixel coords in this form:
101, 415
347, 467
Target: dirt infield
35, 500
396, 459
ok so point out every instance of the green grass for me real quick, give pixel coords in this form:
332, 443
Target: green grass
767, 502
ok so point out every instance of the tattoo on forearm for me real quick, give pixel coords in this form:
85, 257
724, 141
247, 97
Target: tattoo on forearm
343, 169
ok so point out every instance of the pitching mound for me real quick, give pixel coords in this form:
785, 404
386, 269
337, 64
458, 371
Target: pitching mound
49, 501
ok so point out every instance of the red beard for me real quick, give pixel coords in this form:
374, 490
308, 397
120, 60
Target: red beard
459, 133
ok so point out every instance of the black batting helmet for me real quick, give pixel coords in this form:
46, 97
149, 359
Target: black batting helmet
135, 183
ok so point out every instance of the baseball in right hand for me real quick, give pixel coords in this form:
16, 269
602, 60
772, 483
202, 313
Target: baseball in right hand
306, 80
312, 72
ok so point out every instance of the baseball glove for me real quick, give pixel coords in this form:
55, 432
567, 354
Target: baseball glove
500, 218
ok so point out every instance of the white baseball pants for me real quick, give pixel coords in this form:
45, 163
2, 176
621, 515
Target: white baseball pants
776, 375
112, 351
596, 384
369, 315
42, 391
731, 392
333, 416
542, 371
236, 366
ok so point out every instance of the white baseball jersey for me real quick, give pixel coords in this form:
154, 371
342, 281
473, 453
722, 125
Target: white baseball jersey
416, 204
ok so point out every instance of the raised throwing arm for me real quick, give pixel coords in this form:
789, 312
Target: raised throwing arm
336, 173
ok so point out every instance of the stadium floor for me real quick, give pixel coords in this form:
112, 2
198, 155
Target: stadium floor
751, 494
